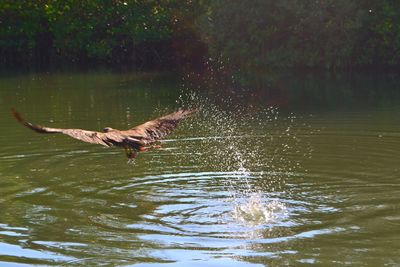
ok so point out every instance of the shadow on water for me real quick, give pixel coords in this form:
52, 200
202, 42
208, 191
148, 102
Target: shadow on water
241, 183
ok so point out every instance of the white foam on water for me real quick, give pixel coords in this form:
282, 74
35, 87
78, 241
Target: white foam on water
254, 210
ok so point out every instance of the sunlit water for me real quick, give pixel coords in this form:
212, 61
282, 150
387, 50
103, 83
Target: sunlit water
234, 185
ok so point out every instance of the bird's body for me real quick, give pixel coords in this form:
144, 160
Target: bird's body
136, 139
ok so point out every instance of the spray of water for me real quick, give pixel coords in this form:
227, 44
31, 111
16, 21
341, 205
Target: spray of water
252, 147
256, 211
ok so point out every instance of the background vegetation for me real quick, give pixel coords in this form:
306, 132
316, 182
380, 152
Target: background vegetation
327, 34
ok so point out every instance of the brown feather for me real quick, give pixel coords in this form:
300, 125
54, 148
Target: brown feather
153, 130
139, 136
83, 135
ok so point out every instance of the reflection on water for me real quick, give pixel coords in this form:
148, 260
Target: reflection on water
239, 184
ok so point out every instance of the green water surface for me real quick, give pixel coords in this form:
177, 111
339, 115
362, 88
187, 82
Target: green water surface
315, 180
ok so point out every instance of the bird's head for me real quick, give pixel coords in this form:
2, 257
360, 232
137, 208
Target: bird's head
108, 129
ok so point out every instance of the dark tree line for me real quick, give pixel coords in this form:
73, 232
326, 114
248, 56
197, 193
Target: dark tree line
304, 33
135, 34
156, 34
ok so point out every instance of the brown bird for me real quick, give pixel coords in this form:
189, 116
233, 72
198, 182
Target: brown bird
134, 140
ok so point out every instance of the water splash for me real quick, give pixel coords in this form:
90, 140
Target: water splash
233, 140
256, 211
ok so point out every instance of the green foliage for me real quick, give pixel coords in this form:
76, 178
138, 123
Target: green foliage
19, 28
258, 33
97, 28
303, 33
84, 30
382, 41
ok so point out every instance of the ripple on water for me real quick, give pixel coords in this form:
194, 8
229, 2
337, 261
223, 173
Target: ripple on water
16, 245
227, 194
177, 208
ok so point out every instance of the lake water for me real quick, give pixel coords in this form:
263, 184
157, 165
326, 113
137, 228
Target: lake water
297, 171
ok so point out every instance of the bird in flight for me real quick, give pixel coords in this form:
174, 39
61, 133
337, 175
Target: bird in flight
134, 140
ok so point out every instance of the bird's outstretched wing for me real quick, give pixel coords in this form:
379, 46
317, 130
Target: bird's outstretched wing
153, 130
141, 135
83, 135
